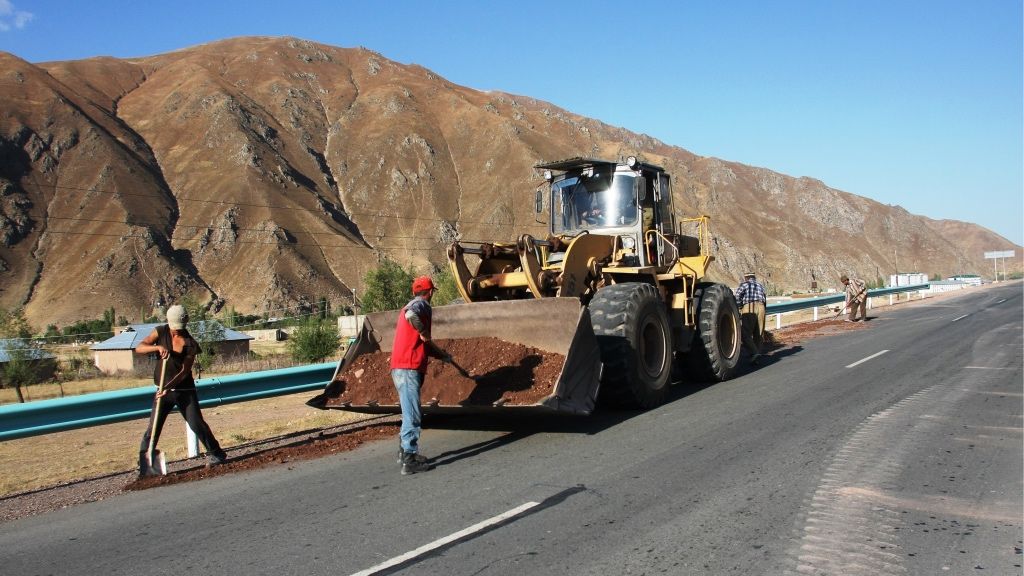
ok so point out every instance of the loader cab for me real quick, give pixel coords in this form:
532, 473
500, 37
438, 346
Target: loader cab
631, 200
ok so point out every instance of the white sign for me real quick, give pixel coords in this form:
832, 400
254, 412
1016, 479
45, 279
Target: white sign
1000, 254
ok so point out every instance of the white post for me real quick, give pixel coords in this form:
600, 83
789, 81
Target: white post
815, 313
869, 303
191, 442
890, 299
778, 321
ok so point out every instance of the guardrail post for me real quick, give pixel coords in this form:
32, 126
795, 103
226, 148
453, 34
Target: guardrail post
191, 442
815, 313
778, 321
890, 299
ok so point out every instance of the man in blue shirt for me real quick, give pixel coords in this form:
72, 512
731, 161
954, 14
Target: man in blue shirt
751, 299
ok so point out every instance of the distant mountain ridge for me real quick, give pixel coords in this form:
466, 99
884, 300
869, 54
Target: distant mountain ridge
266, 173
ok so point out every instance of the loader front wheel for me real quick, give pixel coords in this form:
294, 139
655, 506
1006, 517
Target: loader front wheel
715, 351
633, 336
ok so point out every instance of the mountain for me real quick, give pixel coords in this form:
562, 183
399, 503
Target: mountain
266, 173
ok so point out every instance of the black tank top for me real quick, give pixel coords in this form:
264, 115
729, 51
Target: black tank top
175, 360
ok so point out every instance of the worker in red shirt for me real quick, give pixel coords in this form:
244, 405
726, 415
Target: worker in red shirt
412, 346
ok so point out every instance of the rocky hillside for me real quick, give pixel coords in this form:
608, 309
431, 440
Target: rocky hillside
264, 173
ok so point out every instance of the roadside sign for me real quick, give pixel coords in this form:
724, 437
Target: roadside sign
1000, 254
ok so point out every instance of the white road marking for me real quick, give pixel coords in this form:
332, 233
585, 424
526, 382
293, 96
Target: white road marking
876, 355
447, 539
960, 317
1001, 301
988, 368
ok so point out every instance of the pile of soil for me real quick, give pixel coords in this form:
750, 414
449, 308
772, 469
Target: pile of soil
499, 371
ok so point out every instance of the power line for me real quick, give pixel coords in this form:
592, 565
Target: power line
413, 248
254, 205
79, 335
228, 228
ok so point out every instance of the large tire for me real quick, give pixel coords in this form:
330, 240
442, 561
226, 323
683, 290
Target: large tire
635, 342
715, 351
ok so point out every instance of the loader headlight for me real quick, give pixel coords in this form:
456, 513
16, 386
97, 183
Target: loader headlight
547, 175
628, 242
631, 161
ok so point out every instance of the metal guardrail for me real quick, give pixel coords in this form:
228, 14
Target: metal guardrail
808, 303
58, 414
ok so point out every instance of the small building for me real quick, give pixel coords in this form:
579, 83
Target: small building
117, 354
969, 279
349, 326
269, 335
43, 364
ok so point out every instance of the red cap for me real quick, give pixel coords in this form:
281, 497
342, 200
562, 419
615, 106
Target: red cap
422, 284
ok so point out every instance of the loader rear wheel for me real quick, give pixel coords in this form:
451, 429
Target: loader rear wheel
633, 336
715, 351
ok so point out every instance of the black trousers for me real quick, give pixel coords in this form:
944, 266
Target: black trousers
187, 402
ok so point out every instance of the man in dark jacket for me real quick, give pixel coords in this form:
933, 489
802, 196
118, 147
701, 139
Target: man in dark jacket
173, 343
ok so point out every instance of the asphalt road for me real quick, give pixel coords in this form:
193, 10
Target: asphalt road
896, 449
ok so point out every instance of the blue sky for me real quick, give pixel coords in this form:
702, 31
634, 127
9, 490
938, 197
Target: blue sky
915, 103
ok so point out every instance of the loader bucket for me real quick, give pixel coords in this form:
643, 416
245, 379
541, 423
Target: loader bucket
559, 326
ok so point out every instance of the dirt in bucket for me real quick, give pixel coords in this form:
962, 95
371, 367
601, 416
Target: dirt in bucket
519, 375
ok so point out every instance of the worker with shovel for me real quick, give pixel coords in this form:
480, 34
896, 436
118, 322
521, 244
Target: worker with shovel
856, 297
175, 387
409, 352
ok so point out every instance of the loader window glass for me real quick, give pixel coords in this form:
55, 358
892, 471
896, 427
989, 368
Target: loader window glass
598, 200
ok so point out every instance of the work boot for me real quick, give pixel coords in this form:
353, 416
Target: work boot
419, 457
216, 459
413, 463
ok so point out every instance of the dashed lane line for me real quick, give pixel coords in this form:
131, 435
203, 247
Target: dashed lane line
960, 317
863, 360
479, 526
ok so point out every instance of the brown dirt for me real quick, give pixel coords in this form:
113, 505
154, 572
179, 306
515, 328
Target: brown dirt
313, 447
512, 373
796, 333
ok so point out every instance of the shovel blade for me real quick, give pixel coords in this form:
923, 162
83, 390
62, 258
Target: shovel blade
157, 464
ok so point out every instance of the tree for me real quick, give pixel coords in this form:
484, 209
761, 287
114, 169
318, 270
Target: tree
20, 368
313, 341
13, 324
447, 291
388, 287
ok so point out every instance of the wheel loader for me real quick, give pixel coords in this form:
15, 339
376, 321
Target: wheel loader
617, 288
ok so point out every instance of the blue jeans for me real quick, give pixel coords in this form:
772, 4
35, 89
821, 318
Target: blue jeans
408, 383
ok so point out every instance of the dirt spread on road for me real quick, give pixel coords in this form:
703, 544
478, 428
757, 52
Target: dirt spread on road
797, 333
314, 447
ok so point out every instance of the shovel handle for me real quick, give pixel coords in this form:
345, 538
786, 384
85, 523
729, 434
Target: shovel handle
156, 410
460, 369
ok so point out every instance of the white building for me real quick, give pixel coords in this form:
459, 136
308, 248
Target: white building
907, 279
970, 279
